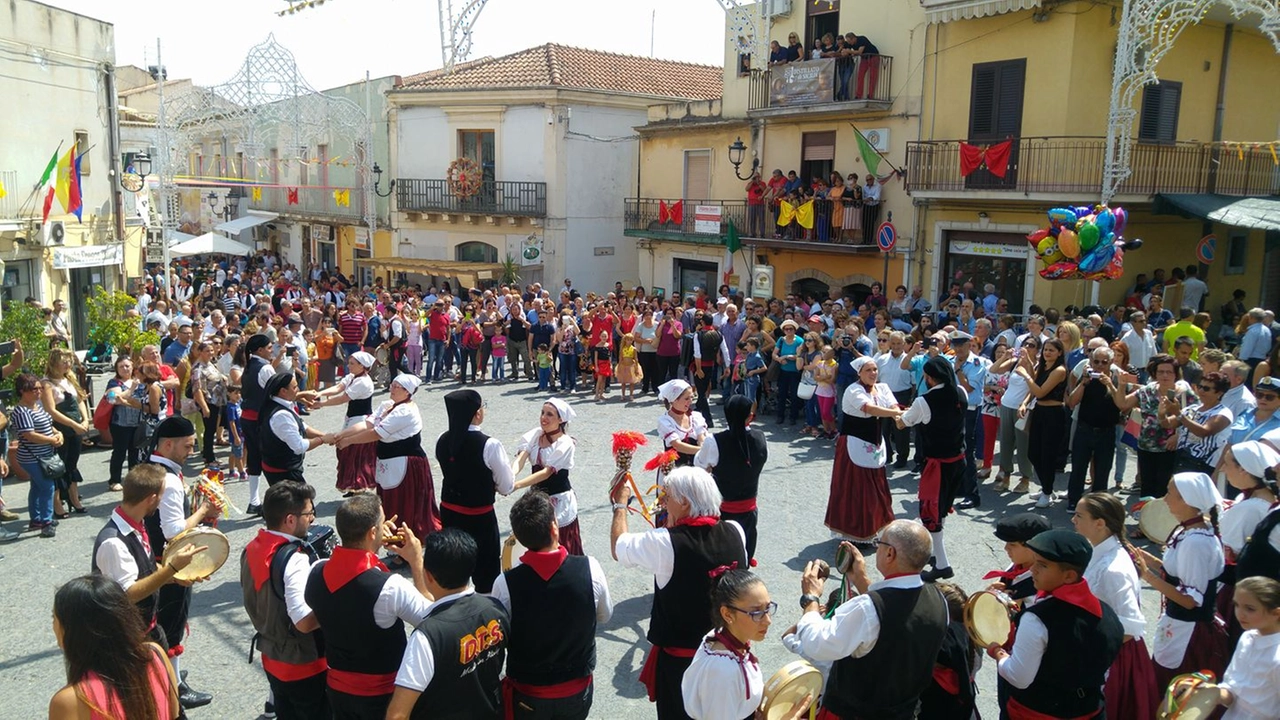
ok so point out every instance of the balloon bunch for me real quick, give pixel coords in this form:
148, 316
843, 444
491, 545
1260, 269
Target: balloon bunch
1083, 243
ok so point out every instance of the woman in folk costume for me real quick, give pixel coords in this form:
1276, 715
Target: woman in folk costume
355, 462
403, 473
681, 427
1112, 574
476, 469
551, 450
1245, 466
734, 457
1189, 635
859, 504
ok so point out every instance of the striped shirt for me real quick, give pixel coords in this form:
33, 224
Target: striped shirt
230, 304
351, 326
27, 419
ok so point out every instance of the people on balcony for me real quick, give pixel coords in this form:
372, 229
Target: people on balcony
868, 65
778, 55
756, 190
870, 204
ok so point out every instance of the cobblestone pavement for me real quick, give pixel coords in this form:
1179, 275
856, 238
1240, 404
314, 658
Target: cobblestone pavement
793, 494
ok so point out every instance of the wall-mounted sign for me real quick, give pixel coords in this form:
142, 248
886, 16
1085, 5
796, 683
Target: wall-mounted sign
996, 250
531, 250
361, 238
65, 258
803, 83
706, 219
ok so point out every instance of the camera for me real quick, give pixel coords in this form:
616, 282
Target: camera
928, 343
846, 340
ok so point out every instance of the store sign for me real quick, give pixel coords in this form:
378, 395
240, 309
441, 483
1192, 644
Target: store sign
155, 245
66, 258
531, 250
993, 250
706, 219
802, 83
361, 238
321, 233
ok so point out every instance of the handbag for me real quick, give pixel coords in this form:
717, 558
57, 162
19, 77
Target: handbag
52, 467
1132, 429
807, 387
146, 428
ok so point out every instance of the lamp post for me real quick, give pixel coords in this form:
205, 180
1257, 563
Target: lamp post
377, 180
737, 151
136, 178
229, 206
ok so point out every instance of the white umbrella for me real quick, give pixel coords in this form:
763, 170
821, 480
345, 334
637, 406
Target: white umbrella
210, 244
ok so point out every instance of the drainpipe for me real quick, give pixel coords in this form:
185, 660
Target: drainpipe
113, 148
1219, 113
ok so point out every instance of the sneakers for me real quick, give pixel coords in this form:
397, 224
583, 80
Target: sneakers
1045, 500
8, 535
48, 531
8, 515
1023, 486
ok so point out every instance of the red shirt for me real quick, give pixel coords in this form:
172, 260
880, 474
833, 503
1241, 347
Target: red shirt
351, 325
755, 193
438, 325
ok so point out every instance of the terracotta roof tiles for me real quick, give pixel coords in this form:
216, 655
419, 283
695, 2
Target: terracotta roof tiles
562, 66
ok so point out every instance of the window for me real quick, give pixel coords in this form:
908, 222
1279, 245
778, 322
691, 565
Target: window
995, 104
697, 175
817, 155
476, 252
1159, 122
1237, 254
82, 148
477, 145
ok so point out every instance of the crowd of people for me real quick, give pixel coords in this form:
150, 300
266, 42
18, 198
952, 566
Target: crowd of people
892, 381
834, 209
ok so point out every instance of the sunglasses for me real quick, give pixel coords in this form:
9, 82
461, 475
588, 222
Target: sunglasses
1207, 388
1266, 395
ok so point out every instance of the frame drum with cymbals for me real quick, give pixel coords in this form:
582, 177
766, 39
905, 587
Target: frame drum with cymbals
788, 688
204, 563
511, 552
1156, 521
1197, 702
988, 619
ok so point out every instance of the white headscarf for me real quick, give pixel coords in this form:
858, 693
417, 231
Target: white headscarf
1198, 491
363, 358
408, 381
860, 362
672, 389
566, 413
1255, 457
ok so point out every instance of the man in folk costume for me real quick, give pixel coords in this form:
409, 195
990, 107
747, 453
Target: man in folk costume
475, 468
362, 608
452, 665
273, 578
680, 556
549, 665
940, 412
175, 439
259, 368
1064, 643
284, 437
869, 678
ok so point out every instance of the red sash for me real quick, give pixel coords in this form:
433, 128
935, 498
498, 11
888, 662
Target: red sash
569, 688
361, 684
1018, 711
462, 510
930, 487
649, 673
738, 506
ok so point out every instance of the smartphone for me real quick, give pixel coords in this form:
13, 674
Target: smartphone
1172, 395
6, 348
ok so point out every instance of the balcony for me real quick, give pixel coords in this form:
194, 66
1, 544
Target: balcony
643, 219
513, 199
312, 203
1061, 168
827, 86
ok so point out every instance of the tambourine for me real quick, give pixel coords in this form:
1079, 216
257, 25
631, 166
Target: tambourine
1156, 520
988, 618
1198, 702
788, 687
511, 552
381, 356
206, 562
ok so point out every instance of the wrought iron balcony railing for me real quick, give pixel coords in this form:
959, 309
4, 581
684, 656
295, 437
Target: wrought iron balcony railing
811, 83
494, 198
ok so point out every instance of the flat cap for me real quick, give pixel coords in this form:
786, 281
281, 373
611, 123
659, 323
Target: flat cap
1062, 546
1021, 527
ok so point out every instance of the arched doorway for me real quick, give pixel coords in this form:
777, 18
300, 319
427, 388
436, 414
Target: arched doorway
858, 291
805, 287
476, 252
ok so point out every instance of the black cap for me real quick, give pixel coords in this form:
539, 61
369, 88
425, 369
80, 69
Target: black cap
1062, 546
175, 426
1021, 527
256, 343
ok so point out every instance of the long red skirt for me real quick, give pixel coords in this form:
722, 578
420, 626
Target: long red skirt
1207, 650
859, 504
1131, 683
356, 466
414, 499
571, 538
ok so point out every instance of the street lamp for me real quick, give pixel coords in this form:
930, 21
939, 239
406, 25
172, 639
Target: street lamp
736, 152
377, 180
229, 206
137, 179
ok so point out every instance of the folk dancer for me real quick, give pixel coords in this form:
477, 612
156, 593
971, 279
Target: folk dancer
735, 457
681, 428
1245, 466
283, 437
858, 505
355, 462
259, 368
551, 450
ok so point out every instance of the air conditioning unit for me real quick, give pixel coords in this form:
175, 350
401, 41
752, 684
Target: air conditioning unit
762, 281
779, 8
53, 232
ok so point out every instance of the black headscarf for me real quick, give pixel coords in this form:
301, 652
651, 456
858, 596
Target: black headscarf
461, 406
940, 369
737, 413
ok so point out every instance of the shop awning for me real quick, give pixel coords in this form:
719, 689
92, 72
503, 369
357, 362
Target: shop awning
941, 11
240, 224
468, 274
210, 244
1257, 213
65, 258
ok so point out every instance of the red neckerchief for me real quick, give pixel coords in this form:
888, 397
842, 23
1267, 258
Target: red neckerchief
1077, 594
347, 563
259, 552
680, 412
1007, 576
741, 652
699, 521
545, 563
137, 527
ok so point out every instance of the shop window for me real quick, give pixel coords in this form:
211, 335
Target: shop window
1160, 103
1237, 254
476, 252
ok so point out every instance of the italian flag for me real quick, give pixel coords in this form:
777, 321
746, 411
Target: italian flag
47, 183
731, 246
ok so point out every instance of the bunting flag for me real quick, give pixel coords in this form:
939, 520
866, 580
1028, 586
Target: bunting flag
342, 198
804, 215
677, 212
996, 158
870, 157
786, 213
3, 193
664, 215
68, 184
292, 196
47, 182
257, 194
731, 245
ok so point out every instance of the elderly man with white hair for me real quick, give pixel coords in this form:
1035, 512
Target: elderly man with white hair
1239, 398
680, 555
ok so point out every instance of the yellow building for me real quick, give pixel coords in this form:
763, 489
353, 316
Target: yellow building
1040, 76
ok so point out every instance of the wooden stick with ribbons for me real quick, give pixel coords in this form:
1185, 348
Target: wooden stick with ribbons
624, 450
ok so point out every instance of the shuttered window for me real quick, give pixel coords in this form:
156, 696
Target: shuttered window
818, 146
995, 104
697, 175
1159, 121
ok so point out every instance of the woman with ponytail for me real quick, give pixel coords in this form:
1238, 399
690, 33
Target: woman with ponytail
724, 681
734, 457
1245, 467
1189, 636
1112, 575
113, 673
551, 449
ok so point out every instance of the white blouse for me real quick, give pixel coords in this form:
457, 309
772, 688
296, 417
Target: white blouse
1238, 522
856, 398
559, 455
1254, 677
1113, 578
714, 686
1195, 557
391, 425
670, 431
356, 388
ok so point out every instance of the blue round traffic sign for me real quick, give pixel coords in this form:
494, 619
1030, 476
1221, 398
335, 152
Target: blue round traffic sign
886, 236
1206, 249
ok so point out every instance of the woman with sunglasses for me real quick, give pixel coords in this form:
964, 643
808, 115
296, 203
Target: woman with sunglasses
1156, 440
1203, 428
1013, 434
37, 440
1047, 385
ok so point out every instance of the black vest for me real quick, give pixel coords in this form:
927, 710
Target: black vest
277, 637
1081, 648
1258, 557
543, 652
556, 484
467, 481
737, 473
943, 436
155, 533
251, 391
406, 447
682, 608
353, 641
709, 346
887, 682
1204, 612
468, 639
863, 428
275, 452
142, 557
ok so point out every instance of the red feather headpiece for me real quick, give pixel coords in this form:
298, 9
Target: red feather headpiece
628, 440
663, 459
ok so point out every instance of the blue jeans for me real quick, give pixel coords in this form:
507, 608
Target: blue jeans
568, 371
812, 415
498, 366
1122, 455
349, 349
969, 485
788, 383
544, 378
435, 358
39, 494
